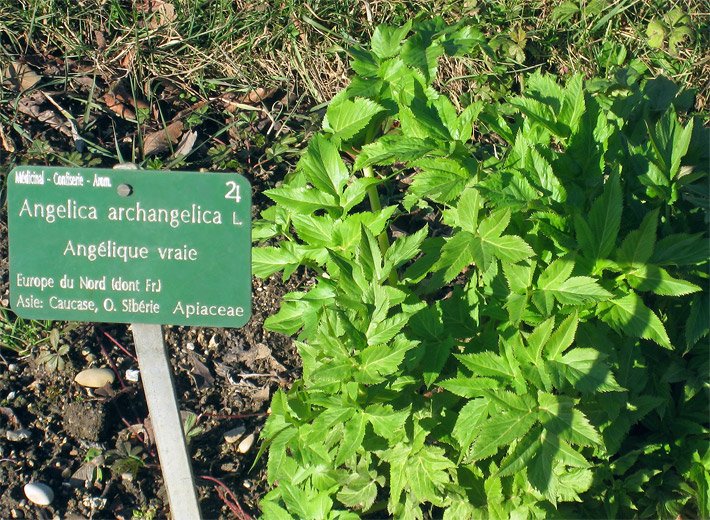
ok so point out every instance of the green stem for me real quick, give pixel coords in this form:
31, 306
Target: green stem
376, 205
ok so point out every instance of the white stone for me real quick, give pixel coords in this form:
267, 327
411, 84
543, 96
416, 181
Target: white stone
246, 443
95, 377
234, 434
133, 375
18, 435
38, 493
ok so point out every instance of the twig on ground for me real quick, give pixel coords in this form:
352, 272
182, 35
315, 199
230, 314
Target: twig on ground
226, 495
125, 351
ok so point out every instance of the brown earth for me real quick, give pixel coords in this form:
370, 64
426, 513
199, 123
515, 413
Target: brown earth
94, 448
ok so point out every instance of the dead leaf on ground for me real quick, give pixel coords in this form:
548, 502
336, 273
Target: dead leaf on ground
163, 12
86, 471
118, 107
260, 352
100, 38
7, 143
204, 378
234, 101
31, 106
123, 103
20, 76
186, 144
163, 139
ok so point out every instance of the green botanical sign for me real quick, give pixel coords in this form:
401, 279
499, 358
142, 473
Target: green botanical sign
130, 246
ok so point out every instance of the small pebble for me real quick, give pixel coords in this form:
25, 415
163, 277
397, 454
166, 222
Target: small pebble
12, 367
234, 434
133, 375
95, 377
95, 502
18, 435
190, 345
246, 443
38, 493
17, 513
11, 395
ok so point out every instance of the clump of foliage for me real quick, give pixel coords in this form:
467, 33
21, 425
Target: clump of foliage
511, 323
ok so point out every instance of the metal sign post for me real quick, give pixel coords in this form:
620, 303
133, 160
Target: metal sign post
140, 247
154, 363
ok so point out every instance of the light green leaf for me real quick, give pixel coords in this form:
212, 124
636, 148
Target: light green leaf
546, 176
630, 315
539, 337
469, 418
605, 219
573, 105
585, 369
455, 255
386, 39
352, 439
385, 330
303, 200
563, 337
468, 386
523, 452
440, 180
501, 429
638, 245
268, 260
486, 364
555, 274
323, 167
656, 33
508, 248
519, 277
378, 361
467, 210
681, 142
494, 225
385, 421
657, 280
682, 249
698, 324
405, 248
460, 509
573, 482
356, 191
464, 124
560, 418
579, 290
314, 230
393, 148
273, 511
347, 118
359, 491
428, 474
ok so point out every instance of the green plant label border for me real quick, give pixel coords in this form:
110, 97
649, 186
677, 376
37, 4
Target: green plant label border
133, 246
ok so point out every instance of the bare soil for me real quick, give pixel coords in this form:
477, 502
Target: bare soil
95, 448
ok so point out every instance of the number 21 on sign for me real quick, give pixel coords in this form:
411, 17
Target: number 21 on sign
233, 192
